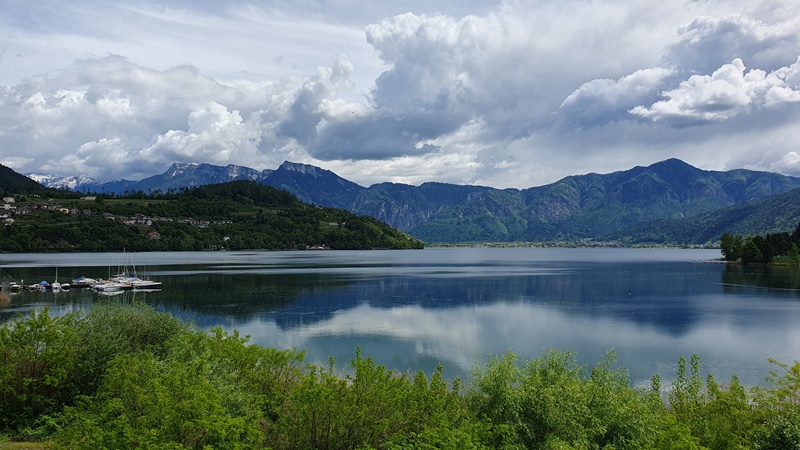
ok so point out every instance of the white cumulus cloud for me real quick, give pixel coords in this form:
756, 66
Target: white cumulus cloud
724, 94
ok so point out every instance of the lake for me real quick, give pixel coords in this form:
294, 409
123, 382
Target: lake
411, 310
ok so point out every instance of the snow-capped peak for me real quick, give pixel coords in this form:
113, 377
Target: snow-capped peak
59, 182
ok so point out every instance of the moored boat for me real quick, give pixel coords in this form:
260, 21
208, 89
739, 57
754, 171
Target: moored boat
14, 287
83, 282
41, 286
110, 286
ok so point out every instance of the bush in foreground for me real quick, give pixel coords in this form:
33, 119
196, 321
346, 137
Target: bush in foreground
129, 377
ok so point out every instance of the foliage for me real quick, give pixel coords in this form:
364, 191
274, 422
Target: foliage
148, 402
731, 247
552, 402
48, 361
233, 216
779, 247
718, 417
369, 407
129, 377
37, 357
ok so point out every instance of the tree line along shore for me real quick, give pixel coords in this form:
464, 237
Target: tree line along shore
779, 248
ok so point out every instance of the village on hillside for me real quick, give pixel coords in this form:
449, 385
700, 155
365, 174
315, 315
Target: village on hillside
11, 208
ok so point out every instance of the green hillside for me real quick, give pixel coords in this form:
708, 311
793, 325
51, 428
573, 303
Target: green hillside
13, 183
581, 207
230, 216
778, 213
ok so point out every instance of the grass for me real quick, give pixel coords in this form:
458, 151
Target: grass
25, 445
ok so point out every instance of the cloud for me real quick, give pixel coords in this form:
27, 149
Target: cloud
111, 118
790, 163
214, 135
762, 35
726, 93
766, 35
510, 94
601, 101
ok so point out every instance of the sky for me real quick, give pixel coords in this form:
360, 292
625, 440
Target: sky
508, 94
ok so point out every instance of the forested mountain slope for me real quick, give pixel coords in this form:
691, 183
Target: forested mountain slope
236, 215
581, 207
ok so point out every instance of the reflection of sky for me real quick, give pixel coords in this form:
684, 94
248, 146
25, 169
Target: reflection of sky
455, 336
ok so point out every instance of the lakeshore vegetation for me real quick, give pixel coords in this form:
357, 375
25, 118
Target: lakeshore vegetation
779, 248
119, 376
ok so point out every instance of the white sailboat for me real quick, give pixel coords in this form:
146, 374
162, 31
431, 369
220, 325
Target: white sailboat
55, 285
129, 277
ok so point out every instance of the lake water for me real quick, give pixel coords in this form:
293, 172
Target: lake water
410, 310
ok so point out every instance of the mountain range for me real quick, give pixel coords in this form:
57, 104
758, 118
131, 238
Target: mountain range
660, 203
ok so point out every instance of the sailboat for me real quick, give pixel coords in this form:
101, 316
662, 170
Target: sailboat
128, 278
56, 286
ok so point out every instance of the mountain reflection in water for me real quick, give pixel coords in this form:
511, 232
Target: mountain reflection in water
413, 309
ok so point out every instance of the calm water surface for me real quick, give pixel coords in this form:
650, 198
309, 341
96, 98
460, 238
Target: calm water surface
413, 309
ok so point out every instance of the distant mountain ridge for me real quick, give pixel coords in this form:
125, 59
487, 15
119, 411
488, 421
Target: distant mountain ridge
80, 182
579, 207
178, 175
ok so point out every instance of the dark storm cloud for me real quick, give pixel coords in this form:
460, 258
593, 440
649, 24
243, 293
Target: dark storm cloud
383, 137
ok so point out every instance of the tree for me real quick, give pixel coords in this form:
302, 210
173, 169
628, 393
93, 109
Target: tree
764, 248
750, 252
779, 242
730, 246
794, 254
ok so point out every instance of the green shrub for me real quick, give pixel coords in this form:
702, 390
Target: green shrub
148, 402
552, 402
37, 358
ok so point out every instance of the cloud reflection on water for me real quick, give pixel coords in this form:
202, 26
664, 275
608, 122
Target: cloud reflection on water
455, 336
